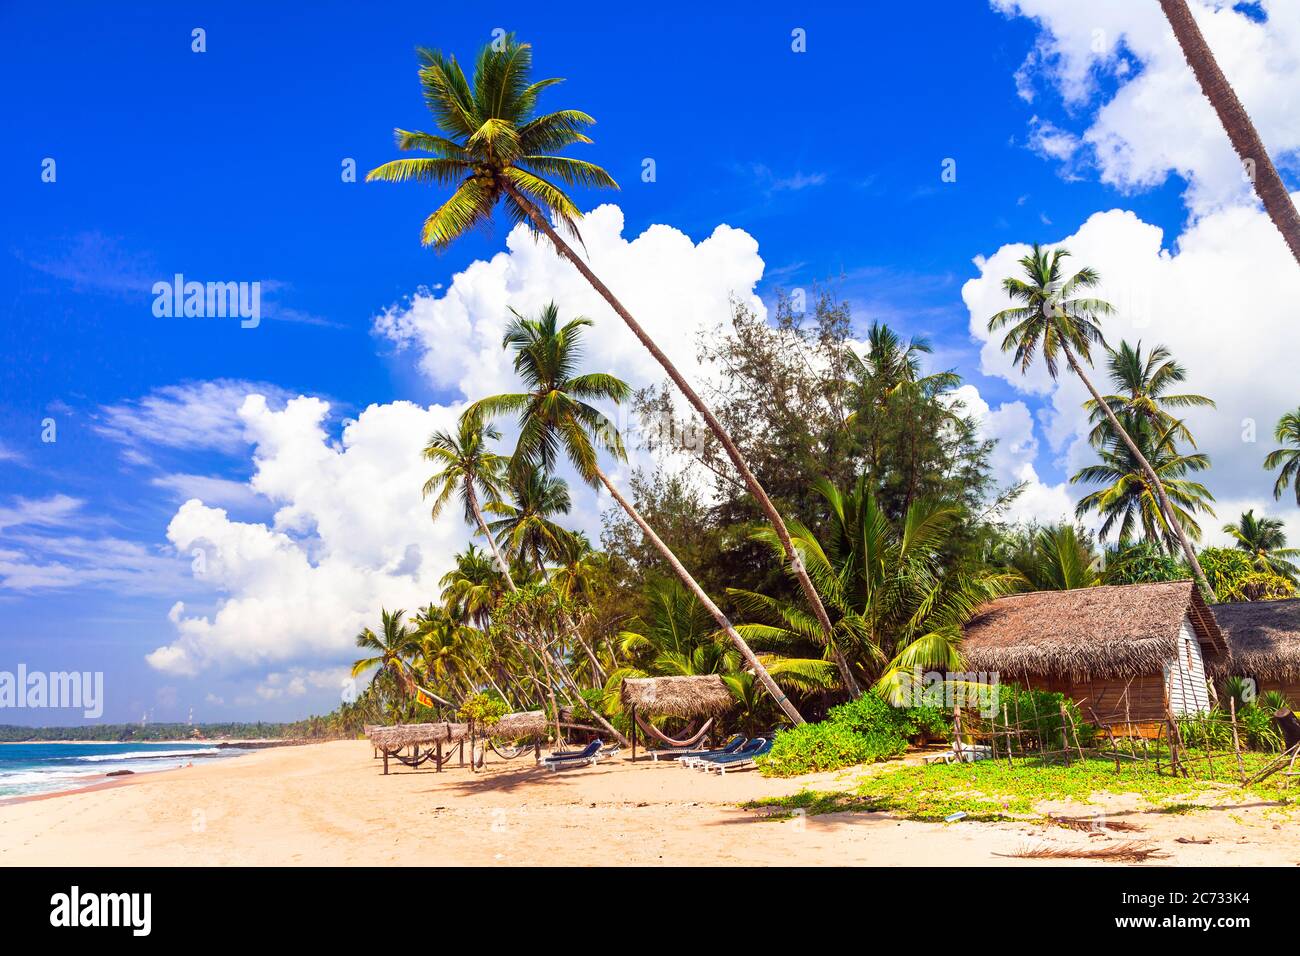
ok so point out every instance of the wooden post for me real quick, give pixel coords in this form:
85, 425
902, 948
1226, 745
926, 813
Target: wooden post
473, 747
634, 733
1065, 739
438, 755
1236, 740
385, 761
1006, 726
1074, 731
956, 728
462, 753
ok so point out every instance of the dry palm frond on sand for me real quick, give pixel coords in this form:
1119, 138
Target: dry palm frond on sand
1134, 851
1093, 823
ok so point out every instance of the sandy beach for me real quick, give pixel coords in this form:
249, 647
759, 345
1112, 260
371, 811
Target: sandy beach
329, 804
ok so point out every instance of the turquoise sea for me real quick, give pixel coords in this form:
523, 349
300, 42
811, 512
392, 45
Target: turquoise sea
27, 769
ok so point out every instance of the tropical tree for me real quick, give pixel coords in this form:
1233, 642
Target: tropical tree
494, 148
1236, 122
1130, 499
525, 526
1287, 457
898, 608
555, 417
391, 650
1264, 539
440, 653
472, 588
1142, 384
469, 468
1051, 318
1057, 559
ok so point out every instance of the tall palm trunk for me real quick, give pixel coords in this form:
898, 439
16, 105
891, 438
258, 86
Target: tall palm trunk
759, 670
715, 426
1236, 122
472, 498
1171, 520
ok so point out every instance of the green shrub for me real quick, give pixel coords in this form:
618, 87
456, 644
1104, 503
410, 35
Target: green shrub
870, 713
1142, 562
828, 745
484, 709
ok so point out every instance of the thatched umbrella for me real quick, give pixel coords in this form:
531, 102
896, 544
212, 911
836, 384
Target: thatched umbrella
528, 723
703, 695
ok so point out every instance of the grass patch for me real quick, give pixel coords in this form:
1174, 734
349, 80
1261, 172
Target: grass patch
991, 791
812, 803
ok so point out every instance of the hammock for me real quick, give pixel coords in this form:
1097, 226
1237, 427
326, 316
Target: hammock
510, 753
652, 731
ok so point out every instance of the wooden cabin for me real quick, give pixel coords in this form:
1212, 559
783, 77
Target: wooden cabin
1127, 654
1264, 637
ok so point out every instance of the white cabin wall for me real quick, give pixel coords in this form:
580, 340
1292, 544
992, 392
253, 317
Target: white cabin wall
1185, 679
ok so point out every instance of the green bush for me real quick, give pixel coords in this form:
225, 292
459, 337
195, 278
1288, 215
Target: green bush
828, 745
484, 709
870, 713
1142, 562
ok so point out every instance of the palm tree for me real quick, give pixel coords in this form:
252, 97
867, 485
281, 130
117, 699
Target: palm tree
1049, 318
495, 148
676, 636
525, 526
1265, 540
897, 607
1287, 432
467, 464
1128, 497
556, 417
392, 649
1057, 560
1142, 384
1236, 122
473, 587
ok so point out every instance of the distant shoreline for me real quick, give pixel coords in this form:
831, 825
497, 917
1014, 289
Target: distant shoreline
221, 742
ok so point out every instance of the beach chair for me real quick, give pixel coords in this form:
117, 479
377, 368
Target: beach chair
575, 758
744, 757
693, 756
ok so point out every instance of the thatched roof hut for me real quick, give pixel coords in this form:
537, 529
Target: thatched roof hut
1131, 653
410, 735
528, 723
696, 696
1265, 639
1117, 631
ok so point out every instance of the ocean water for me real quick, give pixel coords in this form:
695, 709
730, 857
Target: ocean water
27, 769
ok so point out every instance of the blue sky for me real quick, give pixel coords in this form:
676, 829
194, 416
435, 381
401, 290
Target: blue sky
225, 165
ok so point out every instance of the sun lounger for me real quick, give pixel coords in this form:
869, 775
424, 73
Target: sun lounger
743, 757
692, 756
578, 758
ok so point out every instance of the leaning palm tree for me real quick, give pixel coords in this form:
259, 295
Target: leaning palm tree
495, 148
1287, 457
1236, 122
1142, 384
1128, 499
469, 467
1052, 319
1264, 539
391, 650
556, 417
